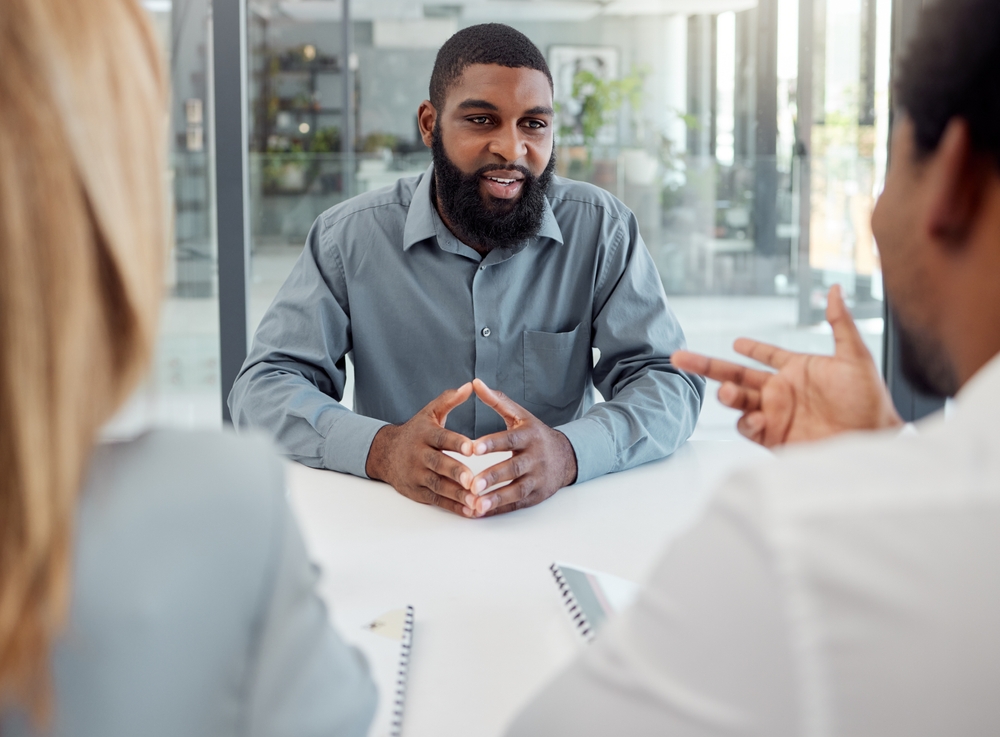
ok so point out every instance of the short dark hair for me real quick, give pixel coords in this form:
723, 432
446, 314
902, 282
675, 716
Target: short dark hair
952, 69
489, 43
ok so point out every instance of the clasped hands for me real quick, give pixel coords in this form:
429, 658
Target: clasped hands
410, 457
807, 397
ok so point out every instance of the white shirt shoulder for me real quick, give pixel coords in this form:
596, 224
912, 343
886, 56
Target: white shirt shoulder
851, 587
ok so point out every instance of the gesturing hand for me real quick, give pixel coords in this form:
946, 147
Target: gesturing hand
810, 397
409, 456
543, 459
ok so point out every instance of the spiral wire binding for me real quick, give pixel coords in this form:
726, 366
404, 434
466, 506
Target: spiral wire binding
575, 612
404, 666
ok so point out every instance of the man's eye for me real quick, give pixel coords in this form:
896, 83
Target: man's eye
479, 120
536, 124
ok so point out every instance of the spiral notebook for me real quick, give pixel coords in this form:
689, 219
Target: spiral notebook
385, 637
591, 597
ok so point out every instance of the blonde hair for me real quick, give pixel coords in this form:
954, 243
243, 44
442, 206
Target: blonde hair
82, 224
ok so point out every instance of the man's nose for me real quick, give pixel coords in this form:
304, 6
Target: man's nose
508, 143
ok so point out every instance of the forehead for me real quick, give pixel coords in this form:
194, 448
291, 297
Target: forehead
518, 88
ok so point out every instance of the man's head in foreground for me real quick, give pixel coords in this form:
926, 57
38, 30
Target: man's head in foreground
938, 221
938, 229
489, 125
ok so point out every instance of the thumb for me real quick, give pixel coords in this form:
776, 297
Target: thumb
507, 408
845, 333
447, 401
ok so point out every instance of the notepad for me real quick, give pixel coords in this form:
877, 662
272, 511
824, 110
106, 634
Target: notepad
591, 597
385, 636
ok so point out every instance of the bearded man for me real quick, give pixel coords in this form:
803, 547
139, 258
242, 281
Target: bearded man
488, 277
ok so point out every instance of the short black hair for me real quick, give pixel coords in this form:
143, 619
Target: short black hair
488, 43
952, 69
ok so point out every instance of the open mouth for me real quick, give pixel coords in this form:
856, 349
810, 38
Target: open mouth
504, 187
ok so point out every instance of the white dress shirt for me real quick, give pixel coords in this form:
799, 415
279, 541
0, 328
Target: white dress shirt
850, 588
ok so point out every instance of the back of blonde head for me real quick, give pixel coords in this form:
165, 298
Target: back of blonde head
82, 118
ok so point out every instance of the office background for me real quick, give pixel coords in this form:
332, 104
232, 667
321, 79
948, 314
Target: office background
749, 137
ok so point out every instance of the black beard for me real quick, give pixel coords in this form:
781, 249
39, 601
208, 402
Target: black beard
488, 222
925, 364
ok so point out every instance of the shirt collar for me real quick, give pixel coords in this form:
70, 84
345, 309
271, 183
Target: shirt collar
419, 224
982, 390
420, 218
550, 227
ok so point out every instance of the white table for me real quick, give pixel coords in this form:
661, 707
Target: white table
490, 629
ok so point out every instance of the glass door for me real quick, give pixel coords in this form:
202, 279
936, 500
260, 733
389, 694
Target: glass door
184, 385
751, 202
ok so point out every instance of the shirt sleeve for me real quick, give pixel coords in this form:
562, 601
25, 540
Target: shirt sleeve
305, 681
293, 380
652, 407
704, 651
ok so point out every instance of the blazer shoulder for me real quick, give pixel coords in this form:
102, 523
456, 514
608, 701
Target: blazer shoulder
171, 476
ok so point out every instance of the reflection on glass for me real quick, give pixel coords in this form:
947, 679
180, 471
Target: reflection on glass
183, 388
690, 119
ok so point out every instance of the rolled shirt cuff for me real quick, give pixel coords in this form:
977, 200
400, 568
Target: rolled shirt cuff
593, 446
349, 441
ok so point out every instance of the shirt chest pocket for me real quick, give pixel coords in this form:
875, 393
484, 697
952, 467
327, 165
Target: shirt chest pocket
556, 366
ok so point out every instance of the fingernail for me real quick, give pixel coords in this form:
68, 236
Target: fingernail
465, 480
470, 500
480, 449
480, 486
485, 505
467, 511
466, 449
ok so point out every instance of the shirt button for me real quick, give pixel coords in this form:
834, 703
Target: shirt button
486, 332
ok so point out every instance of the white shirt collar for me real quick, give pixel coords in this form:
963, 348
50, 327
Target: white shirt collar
982, 391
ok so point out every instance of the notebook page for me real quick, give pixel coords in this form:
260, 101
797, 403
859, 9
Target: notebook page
385, 637
591, 597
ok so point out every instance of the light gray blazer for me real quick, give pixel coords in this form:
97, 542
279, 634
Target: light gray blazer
194, 605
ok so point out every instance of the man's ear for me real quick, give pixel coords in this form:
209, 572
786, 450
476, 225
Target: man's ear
426, 120
956, 178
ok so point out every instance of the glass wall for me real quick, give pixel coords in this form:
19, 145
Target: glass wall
686, 110
184, 387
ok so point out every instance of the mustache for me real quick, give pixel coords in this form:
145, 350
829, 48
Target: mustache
488, 221
523, 170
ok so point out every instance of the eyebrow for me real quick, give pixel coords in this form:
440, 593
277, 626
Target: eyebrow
485, 105
479, 104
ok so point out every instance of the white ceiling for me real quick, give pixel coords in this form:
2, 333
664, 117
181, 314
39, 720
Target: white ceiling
497, 10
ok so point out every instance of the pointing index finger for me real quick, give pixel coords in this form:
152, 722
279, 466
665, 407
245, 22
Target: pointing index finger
719, 370
766, 353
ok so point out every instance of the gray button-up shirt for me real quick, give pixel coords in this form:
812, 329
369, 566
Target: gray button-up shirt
384, 281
